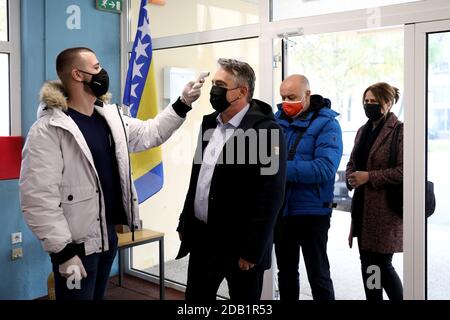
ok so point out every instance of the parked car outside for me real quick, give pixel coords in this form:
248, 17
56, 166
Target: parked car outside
342, 196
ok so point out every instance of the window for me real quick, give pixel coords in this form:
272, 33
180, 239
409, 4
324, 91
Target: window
4, 73
438, 225
371, 58
4, 95
287, 9
178, 28
196, 16
3, 21
341, 72
185, 57
441, 95
9, 56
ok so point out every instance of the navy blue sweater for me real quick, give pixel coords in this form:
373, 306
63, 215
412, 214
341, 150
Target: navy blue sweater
98, 136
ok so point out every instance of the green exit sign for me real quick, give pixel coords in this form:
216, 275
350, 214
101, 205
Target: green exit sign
110, 5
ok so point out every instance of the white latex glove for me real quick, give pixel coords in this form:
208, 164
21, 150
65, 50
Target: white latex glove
191, 91
71, 266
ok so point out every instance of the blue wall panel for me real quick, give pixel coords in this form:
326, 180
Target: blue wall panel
99, 31
25, 278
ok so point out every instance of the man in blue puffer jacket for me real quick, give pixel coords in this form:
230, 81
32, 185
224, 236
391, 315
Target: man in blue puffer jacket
314, 141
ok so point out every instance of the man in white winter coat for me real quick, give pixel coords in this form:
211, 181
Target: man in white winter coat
75, 181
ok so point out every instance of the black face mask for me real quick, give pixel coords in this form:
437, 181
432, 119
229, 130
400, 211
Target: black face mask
373, 111
218, 98
99, 83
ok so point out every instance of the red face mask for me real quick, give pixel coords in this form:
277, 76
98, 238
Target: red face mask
292, 108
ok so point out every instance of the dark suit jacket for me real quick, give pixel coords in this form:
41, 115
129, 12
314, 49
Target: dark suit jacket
243, 203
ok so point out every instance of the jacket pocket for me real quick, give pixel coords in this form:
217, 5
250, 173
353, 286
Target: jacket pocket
80, 207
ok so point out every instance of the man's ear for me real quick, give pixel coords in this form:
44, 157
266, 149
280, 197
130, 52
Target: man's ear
243, 91
76, 75
308, 93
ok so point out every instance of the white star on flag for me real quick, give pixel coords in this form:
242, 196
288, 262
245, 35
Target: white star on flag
137, 70
133, 90
147, 8
145, 28
140, 49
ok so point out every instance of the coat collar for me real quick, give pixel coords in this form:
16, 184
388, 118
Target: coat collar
391, 122
258, 111
303, 120
53, 95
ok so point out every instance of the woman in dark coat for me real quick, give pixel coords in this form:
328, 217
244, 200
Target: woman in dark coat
377, 227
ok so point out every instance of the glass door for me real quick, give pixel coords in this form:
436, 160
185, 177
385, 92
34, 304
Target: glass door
180, 52
427, 151
341, 72
438, 155
161, 212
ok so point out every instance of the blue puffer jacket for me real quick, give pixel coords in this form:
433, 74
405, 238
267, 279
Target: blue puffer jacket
311, 174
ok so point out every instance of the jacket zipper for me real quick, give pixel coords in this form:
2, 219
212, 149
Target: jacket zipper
100, 213
129, 175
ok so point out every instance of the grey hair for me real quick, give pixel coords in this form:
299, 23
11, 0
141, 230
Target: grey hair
242, 72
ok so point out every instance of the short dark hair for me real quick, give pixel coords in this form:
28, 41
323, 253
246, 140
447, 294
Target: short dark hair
242, 72
65, 60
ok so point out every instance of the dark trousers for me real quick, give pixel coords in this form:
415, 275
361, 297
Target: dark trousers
389, 281
98, 268
208, 268
310, 232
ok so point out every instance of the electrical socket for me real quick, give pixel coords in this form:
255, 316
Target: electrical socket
16, 253
16, 238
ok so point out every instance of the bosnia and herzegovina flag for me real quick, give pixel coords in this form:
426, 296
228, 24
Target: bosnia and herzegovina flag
141, 97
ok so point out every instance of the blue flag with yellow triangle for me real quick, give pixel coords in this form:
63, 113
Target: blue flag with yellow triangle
141, 97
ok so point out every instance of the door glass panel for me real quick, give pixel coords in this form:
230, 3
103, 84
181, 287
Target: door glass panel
341, 72
196, 16
161, 212
287, 9
3, 20
438, 155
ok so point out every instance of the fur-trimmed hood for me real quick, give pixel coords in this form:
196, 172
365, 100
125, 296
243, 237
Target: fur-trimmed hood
54, 96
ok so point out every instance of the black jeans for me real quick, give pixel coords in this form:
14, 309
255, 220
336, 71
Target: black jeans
208, 268
389, 281
98, 268
310, 232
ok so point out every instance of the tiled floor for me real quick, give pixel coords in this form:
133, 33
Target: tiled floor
138, 289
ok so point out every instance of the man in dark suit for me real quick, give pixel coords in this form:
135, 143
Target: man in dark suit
236, 190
